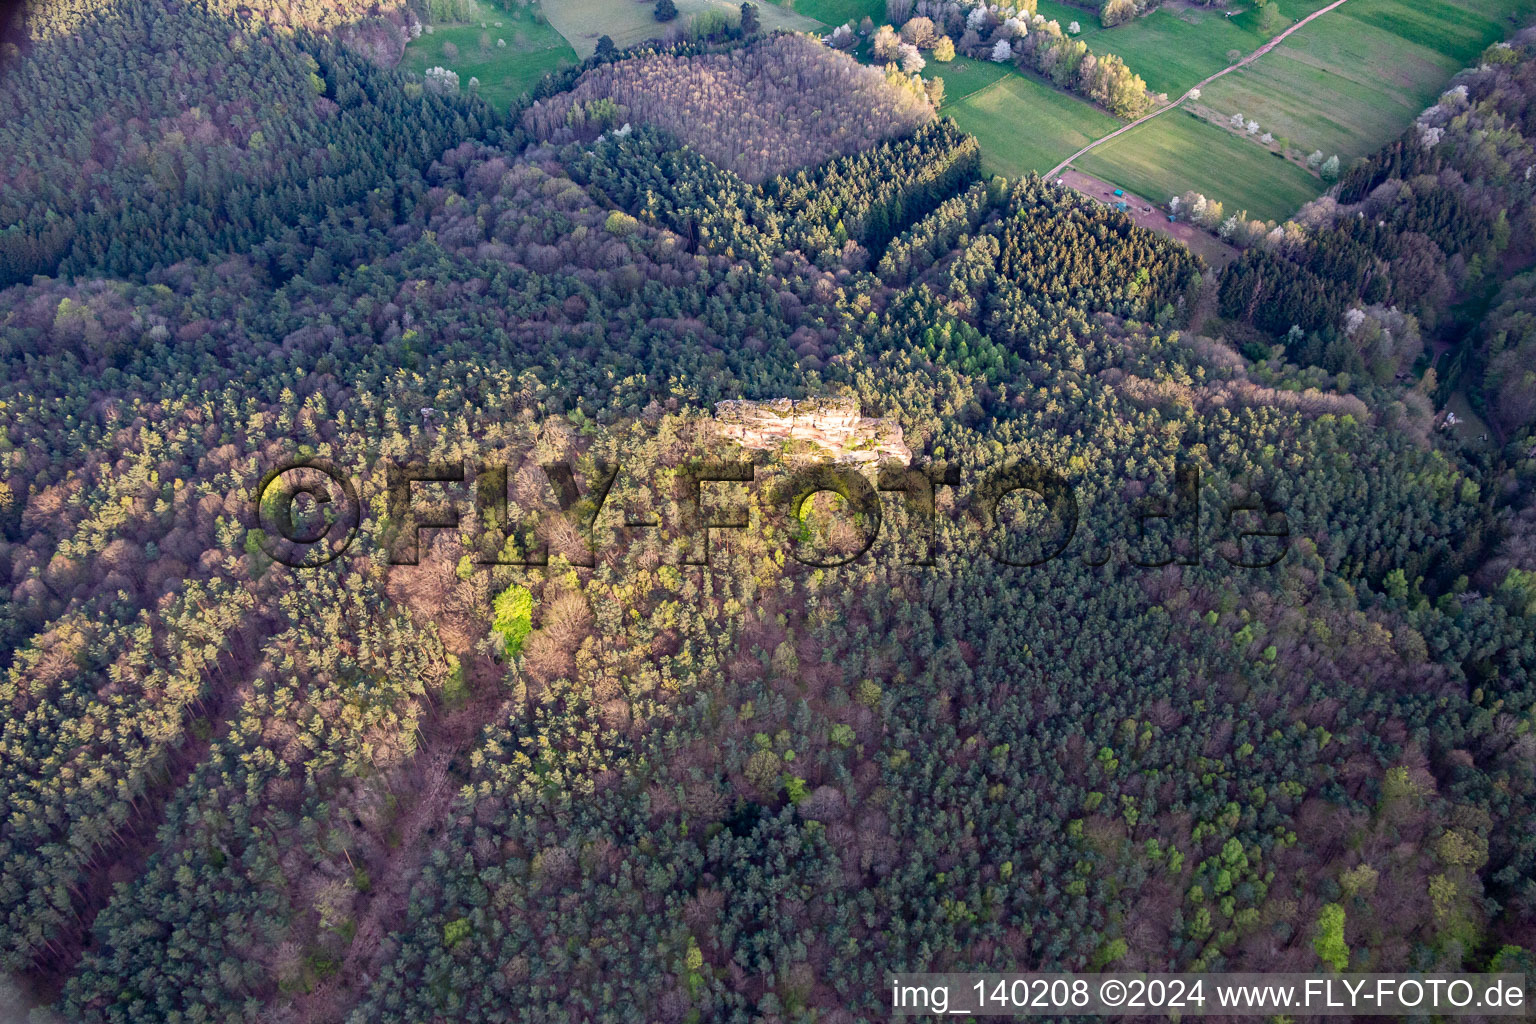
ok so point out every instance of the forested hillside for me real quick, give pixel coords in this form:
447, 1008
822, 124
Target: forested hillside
57, 19
575, 774
1435, 225
159, 131
758, 110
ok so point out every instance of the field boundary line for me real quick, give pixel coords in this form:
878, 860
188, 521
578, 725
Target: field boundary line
977, 92
1255, 55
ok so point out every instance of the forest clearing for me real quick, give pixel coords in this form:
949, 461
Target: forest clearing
507, 50
626, 22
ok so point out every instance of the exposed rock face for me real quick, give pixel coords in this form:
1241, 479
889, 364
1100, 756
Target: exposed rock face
816, 428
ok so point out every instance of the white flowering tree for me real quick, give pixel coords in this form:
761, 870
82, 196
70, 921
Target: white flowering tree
1238, 120
1003, 51
911, 60
442, 80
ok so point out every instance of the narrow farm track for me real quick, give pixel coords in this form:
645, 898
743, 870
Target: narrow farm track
1255, 55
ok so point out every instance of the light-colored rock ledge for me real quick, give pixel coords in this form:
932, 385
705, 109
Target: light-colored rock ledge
815, 428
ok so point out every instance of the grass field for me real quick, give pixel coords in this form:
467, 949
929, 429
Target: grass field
1024, 125
628, 22
1176, 152
1066, 14
1177, 46
836, 12
533, 49
1352, 80
965, 76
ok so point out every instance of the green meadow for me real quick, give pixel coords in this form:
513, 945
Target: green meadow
1174, 48
1346, 83
1177, 151
505, 72
966, 76
1025, 125
1065, 13
1354, 78
836, 12
583, 22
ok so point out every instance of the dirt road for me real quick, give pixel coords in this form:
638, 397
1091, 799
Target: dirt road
1216, 252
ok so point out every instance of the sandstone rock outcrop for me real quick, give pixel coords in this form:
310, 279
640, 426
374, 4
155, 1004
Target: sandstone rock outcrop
815, 428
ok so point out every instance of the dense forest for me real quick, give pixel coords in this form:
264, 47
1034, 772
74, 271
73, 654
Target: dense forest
159, 132
556, 768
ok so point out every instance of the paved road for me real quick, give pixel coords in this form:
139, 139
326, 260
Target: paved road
1255, 55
